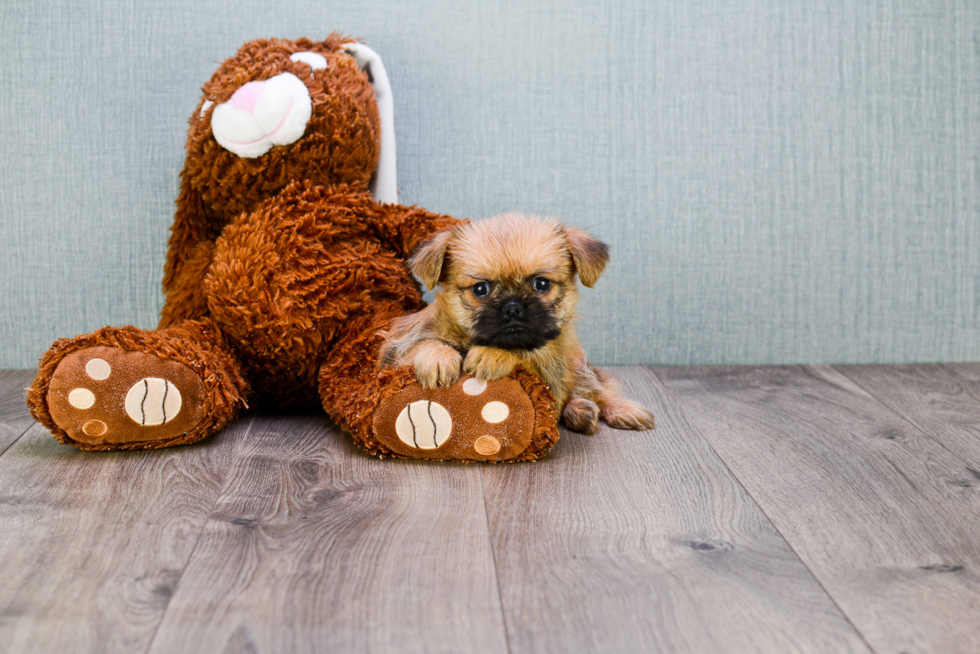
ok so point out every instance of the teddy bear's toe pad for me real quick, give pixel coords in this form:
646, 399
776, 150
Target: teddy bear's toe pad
110, 395
471, 420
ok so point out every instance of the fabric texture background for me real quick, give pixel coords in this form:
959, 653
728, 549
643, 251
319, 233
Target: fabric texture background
780, 182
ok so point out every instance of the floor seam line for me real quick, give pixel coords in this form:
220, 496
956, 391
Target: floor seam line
755, 501
200, 535
17, 440
493, 559
902, 416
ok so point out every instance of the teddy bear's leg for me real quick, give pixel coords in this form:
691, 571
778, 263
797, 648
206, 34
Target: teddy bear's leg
389, 413
126, 388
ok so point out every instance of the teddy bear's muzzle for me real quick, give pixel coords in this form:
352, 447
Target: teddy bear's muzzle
261, 115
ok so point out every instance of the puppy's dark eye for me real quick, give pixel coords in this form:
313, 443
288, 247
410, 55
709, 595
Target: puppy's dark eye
481, 289
541, 285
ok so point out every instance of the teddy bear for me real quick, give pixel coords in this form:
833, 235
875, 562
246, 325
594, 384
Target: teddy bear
286, 260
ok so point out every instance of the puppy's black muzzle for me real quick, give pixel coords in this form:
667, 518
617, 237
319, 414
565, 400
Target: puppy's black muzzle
515, 323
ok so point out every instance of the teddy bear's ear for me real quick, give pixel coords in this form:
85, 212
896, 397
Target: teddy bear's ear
589, 254
429, 259
384, 182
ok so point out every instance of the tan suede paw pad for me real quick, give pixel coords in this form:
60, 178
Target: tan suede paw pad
470, 420
110, 395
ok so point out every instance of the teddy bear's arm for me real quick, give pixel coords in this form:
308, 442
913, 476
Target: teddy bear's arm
342, 213
405, 227
189, 253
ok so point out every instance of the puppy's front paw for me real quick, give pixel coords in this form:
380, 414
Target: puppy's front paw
626, 414
489, 362
436, 364
581, 415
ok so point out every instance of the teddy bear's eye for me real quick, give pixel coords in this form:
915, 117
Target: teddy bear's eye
481, 289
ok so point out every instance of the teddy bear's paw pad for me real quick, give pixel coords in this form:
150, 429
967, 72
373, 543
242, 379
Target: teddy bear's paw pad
424, 425
110, 395
471, 420
153, 401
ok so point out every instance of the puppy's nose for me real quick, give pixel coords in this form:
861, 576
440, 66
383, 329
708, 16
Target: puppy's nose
513, 309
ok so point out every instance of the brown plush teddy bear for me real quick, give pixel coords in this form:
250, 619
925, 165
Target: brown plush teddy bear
281, 270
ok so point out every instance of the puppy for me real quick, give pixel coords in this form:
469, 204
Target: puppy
506, 298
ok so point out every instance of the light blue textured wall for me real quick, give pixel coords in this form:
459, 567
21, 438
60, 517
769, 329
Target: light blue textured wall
780, 182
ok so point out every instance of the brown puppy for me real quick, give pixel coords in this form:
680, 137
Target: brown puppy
506, 298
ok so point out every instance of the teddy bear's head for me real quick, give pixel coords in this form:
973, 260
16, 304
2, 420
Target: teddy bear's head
282, 111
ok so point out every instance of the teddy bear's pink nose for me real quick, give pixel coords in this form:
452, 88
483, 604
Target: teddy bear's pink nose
263, 114
247, 97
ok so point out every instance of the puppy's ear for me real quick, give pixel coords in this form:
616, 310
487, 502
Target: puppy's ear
589, 254
429, 258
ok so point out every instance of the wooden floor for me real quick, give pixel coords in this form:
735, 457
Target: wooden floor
790, 509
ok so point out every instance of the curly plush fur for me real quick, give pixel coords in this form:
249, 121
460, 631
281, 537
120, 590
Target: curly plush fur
281, 269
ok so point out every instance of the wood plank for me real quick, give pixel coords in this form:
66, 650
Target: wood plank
93, 543
644, 542
935, 398
862, 495
317, 547
969, 372
15, 419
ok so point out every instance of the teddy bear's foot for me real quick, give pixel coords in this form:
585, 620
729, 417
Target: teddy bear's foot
508, 419
103, 397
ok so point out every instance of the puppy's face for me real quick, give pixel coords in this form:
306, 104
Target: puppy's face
510, 281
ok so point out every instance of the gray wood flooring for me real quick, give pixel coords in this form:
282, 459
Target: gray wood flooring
774, 509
